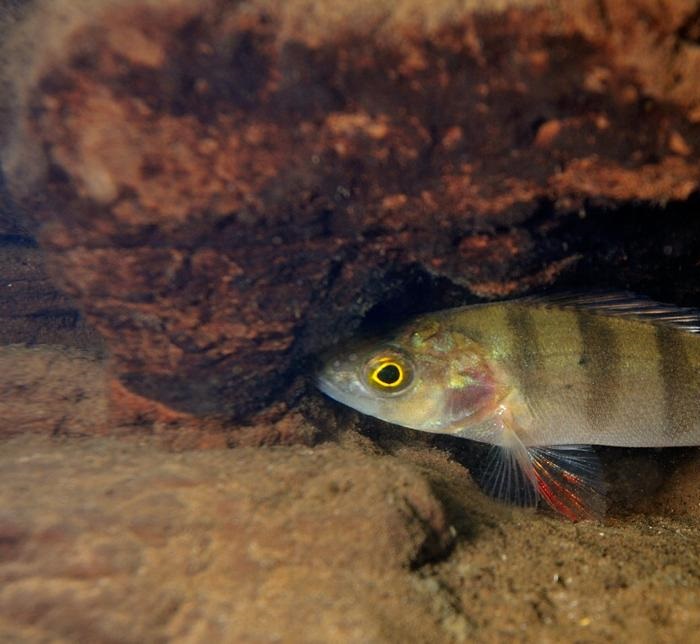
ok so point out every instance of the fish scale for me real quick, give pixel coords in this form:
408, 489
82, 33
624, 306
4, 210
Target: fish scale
540, 379
621, 381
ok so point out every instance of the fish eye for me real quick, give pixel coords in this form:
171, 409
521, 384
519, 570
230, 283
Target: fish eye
388, 373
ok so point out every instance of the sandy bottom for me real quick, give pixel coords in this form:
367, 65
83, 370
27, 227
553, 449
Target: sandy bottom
354, 540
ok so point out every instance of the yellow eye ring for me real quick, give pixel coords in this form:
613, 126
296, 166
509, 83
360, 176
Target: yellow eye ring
388, 374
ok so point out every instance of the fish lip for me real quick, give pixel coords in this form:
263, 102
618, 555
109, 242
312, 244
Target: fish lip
327, 387
333, 391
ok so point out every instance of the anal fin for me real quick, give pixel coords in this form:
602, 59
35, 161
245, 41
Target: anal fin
568, 478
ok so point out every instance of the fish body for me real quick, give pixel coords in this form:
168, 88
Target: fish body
539, 379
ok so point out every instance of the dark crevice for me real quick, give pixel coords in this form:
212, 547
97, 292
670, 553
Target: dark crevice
22, 241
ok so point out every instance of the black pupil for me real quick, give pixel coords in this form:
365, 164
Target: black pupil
389, 374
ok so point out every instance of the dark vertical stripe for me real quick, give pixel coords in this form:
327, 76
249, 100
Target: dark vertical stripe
527, 358
600, 359
679, 381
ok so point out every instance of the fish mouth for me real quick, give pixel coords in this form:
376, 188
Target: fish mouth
351, 395
323, 384
326, 386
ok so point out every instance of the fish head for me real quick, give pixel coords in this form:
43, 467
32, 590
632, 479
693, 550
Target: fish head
424, 376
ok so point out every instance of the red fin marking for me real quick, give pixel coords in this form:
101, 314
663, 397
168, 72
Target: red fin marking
562, 499
567, 478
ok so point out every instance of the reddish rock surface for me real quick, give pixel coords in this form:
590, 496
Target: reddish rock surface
227, 189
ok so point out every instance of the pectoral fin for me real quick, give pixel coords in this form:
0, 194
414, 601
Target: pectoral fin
568, 478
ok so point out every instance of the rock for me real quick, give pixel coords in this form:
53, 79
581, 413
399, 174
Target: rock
32, 309
227, 189
11, 222
102, 540
52, 390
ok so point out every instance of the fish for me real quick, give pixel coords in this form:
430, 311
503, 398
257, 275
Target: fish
542, 379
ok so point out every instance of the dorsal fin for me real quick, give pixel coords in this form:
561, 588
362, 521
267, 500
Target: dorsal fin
622, 304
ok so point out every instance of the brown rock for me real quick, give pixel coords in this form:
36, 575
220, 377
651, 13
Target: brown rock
32, 309
227, 189
102, 540
678, 144
211, 171
52, 390
547, 133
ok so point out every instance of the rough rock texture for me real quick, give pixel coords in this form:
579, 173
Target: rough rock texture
32, 309
274, 537
226, 188
106, 541
222, 189
51, 389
